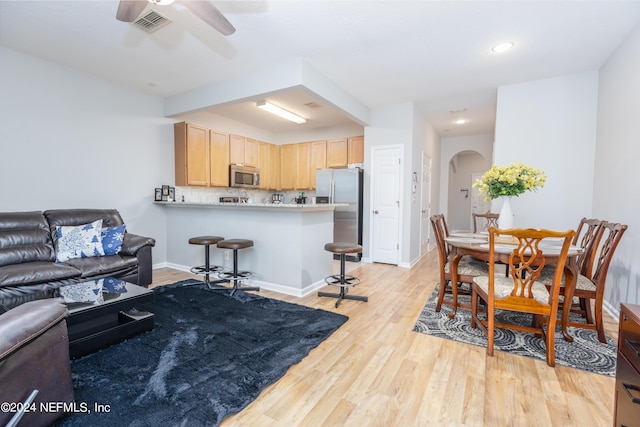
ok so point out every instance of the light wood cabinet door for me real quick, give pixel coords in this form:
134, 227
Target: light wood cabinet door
251, 152
337, 153
288, 157
191, 152
302, 165
236, 149
264, 164
219, 159
274, 165
318, 160
356, 150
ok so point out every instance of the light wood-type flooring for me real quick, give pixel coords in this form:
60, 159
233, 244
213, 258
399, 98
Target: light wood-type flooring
374, 371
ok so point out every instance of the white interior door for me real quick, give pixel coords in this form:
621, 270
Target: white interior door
385, 241
425, 212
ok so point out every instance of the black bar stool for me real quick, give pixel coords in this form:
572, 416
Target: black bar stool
207, 268
236, 276
343, 280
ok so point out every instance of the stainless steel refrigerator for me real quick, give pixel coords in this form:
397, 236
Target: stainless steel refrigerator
343, 186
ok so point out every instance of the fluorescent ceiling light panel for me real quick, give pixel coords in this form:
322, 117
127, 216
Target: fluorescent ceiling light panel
274, 109
503, 47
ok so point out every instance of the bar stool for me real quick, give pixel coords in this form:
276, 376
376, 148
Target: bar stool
236, 276
207, 268
343, 280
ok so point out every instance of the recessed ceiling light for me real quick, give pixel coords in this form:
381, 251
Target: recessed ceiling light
461, 121
503, 47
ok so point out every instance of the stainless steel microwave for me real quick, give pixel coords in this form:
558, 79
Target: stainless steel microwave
244, 176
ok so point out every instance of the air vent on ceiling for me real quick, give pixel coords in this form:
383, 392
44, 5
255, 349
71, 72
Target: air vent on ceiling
313, 105
151, 22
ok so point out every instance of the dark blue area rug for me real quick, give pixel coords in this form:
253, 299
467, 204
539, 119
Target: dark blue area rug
586, 352
208, 357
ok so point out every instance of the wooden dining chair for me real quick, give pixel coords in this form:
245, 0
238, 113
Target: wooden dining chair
590, 287
483, 221
468, 268
521, 291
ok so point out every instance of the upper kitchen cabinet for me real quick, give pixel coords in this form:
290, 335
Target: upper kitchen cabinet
355, 146
219, 159
268, 165
191, 146
201, 156
345, 151
302, 166
317, 160
288, 168
337, 153
243, 151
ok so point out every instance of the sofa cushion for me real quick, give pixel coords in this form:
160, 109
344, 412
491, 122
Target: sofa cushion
97, 266
24, 237
35, 272
81, 241
112, 239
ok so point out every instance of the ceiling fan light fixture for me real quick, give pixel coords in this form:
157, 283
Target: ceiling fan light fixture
503, 47
281, 112
161, 2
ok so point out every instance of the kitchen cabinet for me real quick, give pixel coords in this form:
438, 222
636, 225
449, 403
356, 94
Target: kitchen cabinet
355, 146
191, 152
337, 153
288, 170
243, 151
302, 166
627, 397
251, 152
201, 156
317, 160
218, 159
268, 165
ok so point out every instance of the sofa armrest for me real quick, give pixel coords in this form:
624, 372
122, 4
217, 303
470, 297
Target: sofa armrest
132, 243
26, 322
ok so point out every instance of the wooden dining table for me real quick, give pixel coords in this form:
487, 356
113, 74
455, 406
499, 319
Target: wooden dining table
477, 246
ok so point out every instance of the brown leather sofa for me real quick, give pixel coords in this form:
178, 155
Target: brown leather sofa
28, 267
34, 355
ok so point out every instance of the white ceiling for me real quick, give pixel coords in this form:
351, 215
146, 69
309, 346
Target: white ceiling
433, 53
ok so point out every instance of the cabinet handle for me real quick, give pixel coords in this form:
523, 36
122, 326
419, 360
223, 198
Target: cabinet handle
628, 387
635, 346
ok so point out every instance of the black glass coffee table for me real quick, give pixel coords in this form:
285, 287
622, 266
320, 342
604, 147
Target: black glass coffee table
114, 316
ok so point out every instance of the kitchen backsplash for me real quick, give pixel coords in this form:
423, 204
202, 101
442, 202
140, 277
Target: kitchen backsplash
212, 195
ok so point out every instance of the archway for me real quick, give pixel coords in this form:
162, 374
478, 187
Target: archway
464, 167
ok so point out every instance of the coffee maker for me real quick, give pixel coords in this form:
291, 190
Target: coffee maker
276, 198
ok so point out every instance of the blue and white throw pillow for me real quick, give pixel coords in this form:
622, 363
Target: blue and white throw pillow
113, 286
82, 241
112, 239
87, 292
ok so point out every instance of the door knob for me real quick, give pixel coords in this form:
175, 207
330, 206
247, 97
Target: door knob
375, 212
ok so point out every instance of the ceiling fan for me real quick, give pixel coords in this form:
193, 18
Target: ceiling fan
129, 10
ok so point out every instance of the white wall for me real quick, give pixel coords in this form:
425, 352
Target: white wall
70, 140
550, 124
616, 194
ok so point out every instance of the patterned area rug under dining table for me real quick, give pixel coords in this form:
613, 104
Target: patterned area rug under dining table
585, 352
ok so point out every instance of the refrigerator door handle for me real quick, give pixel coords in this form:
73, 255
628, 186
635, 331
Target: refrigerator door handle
331, 191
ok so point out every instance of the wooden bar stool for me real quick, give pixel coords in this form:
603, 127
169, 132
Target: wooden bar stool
207, 268
236, 276
344, 281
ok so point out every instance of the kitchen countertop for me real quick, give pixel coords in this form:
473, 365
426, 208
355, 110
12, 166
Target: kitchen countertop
258, 206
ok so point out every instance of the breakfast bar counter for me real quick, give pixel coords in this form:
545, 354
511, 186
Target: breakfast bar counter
288, 255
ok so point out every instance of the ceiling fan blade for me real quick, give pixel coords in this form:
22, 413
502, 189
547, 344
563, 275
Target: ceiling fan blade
129, 10
209, 14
